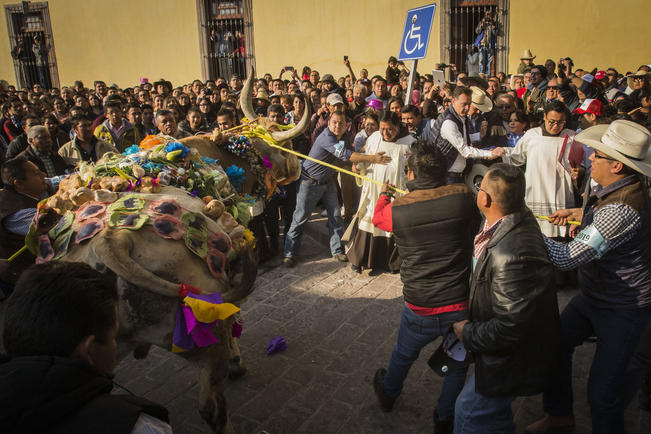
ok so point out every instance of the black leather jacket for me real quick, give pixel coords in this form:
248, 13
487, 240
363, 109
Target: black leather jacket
514, 328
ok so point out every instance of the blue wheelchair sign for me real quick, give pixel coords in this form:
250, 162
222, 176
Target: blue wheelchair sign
416, 35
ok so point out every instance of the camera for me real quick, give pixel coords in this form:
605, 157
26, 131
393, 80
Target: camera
443, 65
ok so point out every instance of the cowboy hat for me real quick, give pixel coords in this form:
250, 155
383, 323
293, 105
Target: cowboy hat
639, 73
480, 100
527, 55
262, 95
512, 80
625, 141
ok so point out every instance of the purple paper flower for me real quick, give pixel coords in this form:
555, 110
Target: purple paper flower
276, 345
266, 162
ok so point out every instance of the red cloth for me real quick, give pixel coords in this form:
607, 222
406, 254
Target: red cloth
382, 214
521, 92
426, 311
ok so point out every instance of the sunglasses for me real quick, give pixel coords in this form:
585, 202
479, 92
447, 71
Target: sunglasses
552, 87
639, 78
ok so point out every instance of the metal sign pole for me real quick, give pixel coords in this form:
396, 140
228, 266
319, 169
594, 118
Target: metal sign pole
410, 85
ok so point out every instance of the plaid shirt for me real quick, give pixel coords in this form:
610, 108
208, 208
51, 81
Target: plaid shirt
617, 223
483, 237
50, 170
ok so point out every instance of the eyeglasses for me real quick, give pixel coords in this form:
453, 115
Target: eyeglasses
536, 73
610, 74
639, 78
487, 194
554, 123
504, 106
603, 157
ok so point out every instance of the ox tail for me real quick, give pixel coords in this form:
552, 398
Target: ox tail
114, 251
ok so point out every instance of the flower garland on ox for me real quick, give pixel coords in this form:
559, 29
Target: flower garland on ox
241, 146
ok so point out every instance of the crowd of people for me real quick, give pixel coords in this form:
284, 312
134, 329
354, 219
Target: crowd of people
562, 154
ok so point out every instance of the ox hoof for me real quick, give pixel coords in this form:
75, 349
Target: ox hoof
235, 368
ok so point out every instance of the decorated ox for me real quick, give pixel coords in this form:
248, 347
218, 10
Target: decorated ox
263, 165
183, 264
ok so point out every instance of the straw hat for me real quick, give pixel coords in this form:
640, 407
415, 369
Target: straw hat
622, 140
262, 95
640, 73
480, 100
527, 55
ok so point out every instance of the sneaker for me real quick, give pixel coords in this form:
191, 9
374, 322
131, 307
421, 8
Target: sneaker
288, 262
341, 257
386, 402
551, 424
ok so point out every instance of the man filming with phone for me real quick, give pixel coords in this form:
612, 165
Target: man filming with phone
485, 42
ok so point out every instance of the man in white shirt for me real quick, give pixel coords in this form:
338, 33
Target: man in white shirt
449, 132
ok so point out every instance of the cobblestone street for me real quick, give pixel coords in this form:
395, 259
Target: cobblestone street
339, 327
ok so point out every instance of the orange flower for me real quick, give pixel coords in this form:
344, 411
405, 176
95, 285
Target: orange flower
150, 142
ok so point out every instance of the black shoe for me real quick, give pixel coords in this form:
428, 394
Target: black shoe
289, 262
341, 257
386, 402
356, 268
443, 426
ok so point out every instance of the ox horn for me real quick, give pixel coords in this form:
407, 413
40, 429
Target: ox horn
246, 98
281, 136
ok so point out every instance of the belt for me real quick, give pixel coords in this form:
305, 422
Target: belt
313, 180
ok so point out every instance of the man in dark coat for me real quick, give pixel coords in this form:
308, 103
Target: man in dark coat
59, 332
514, 327
433, 225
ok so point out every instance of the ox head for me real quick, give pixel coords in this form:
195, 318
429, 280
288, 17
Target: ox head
286, 167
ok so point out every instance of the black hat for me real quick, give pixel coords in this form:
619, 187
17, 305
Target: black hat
449, 356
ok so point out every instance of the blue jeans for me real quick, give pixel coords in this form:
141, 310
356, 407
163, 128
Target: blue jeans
618, 333
485, 59
309, 193
415, 332
476, 413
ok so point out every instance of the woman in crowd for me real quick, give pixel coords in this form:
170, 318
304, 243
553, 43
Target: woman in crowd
60, 110
207, 111
371, 247
518, 124
95, 106
395, 104
371, 124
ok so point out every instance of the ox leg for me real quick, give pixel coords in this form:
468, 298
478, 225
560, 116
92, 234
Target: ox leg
212, 380
236, 367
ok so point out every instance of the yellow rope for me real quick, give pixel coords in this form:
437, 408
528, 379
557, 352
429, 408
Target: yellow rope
569, 222
15, 255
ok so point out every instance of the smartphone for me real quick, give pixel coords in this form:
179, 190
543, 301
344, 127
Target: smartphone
345, 58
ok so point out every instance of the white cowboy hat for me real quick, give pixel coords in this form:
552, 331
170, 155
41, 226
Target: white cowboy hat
527, 55
639, 73
480, 100
625, 141
512, 80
